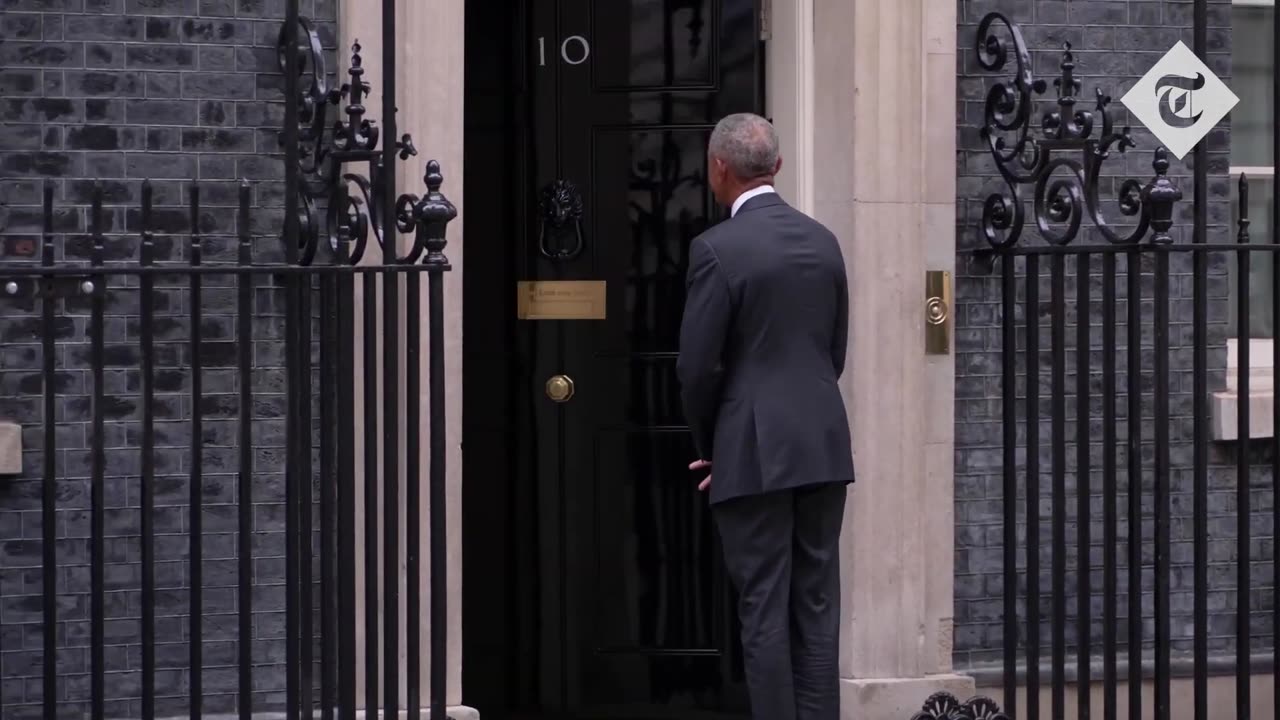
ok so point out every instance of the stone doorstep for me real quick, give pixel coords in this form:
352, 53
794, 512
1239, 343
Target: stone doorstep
897, 698
457, 712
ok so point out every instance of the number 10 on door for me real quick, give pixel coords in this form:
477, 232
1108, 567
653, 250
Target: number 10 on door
574, 50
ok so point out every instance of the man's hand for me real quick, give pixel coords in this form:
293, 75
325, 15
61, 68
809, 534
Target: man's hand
698, 465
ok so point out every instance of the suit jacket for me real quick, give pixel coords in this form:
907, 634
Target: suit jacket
762, 345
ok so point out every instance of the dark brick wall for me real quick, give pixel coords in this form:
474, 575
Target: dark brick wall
175, 91
1115, 41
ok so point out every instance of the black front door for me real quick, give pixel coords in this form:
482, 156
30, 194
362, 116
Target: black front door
636, 617
592, 585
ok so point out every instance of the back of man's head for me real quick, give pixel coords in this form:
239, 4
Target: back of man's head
747, 144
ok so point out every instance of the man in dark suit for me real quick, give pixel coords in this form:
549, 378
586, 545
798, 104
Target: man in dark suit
761, 348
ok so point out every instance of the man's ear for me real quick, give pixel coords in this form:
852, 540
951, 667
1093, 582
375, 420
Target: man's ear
777, 167
720, 170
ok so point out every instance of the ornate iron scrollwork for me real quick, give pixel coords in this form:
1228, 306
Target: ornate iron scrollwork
1029, 159
561, 209
945, 706
354, 199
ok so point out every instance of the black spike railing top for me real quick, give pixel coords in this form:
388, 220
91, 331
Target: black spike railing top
334, 133
1059, 163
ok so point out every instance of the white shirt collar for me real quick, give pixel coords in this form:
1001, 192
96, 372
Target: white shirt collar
744, 197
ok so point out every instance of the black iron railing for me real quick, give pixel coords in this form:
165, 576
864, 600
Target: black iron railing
58, 288
318, 153
241, 372
1124, 437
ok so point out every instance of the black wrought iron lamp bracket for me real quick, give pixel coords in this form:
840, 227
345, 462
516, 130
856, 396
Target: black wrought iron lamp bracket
1072, 142
354, 199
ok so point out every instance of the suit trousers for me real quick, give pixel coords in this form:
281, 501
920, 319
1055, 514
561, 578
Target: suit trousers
782, 554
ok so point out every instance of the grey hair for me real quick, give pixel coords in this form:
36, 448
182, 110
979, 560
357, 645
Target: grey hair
747, 144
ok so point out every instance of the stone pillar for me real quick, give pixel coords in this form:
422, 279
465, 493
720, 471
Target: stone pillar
790, 83
430, 103
431, 92
884, 125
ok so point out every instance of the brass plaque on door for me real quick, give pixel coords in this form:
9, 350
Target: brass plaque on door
560, 300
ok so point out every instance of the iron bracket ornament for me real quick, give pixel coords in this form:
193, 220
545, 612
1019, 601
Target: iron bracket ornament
1057, 167
333, 134
945, 706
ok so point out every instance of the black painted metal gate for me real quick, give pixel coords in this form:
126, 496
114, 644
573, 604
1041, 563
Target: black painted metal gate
199, 394
1125, 493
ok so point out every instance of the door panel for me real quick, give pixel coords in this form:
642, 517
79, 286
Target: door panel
635, 610
666, 44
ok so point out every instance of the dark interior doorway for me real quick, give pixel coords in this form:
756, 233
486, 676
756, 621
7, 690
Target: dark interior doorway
592, 584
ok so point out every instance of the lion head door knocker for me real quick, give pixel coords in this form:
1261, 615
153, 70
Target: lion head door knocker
560, 237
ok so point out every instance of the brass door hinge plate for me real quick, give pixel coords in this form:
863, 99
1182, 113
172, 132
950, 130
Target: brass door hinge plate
937, 312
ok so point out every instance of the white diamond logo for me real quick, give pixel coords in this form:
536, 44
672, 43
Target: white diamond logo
1180, 100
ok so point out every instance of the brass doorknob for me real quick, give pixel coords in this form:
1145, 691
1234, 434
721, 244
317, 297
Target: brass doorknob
560, 388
